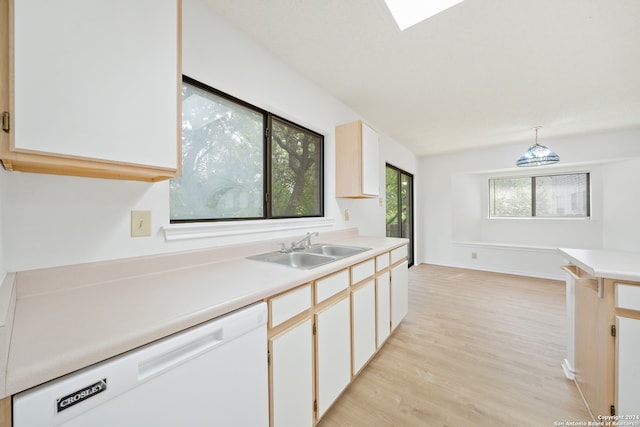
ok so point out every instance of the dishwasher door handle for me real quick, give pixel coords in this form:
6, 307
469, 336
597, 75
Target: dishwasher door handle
177, 349
174, 357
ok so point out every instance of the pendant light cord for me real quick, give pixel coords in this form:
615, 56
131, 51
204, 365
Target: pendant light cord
536, 129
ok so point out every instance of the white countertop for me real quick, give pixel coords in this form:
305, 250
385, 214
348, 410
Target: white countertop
67, 318
617, 265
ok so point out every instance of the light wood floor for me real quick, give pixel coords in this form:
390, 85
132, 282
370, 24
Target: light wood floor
476, 349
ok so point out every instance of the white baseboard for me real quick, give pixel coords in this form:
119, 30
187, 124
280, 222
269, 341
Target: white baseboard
499, 270
523, 260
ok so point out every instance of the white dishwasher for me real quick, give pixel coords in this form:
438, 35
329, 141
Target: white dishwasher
214, 374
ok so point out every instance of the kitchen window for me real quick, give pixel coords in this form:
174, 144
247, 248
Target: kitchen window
242, 162
545, 196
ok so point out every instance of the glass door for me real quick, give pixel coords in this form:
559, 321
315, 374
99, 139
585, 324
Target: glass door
400, 205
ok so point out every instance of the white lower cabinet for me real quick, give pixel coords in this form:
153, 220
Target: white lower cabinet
292, 376
333, 352
322, 333
627, 367
383, 307
399, 293
363, 324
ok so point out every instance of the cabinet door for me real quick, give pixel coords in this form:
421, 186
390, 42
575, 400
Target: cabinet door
383, 307
363, 322
370, 166
291, 373
289, 304
399, 293
399, 254
627, 367
96, 81
333, 347
382, 261
594, 352
331, 285
362, 271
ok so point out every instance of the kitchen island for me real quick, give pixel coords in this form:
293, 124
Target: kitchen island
58, 320
603, 306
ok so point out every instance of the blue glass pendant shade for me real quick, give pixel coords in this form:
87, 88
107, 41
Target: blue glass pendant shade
538, 155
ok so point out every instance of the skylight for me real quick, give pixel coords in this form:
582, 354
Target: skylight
409, 12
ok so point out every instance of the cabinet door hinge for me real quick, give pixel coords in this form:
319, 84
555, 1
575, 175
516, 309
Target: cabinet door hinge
613, 330
268, 357
315, 406
314, 328
613, 410
6, 121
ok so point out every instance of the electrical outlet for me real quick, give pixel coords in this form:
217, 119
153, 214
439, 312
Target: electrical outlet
346, 215
140, 223
474, 255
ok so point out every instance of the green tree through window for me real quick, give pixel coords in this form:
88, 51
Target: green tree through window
550, 196
232, 170
296, 167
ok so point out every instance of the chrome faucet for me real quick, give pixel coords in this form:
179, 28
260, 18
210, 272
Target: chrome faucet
301, 244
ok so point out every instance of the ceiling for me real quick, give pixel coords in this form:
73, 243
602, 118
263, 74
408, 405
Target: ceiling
481, 73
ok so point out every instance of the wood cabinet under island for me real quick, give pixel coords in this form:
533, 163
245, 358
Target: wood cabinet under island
603, 307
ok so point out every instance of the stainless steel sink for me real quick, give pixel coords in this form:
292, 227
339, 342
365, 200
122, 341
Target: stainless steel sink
335, 250
313, 256
300, 260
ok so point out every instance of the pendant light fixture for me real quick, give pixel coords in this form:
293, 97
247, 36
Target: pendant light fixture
537, 155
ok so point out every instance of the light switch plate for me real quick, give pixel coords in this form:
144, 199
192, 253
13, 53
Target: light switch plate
140, 223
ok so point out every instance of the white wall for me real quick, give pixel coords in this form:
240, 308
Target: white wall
454, 207
56, 220
621, 222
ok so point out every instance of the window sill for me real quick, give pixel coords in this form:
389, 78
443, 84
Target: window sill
538, 218
506, 246
203, 230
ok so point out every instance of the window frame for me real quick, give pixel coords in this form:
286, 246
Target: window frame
533, 215
267, 160
269, 169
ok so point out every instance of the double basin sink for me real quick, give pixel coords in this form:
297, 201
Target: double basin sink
313, 256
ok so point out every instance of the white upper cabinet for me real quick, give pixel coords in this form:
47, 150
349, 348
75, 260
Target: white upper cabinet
370, 158
95, 88
357, 161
